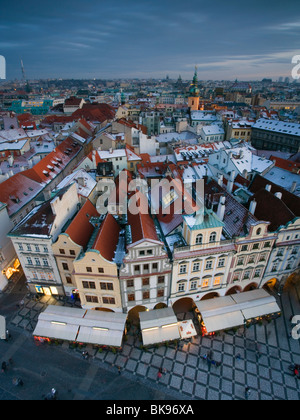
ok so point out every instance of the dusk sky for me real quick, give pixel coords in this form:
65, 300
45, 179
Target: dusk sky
150, 38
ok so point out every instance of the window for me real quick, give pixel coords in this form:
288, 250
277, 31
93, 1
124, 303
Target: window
68, 280
161, 280
146, 294
109, 300
240, 261
247, 275
37, 248
244, 248
182, 269
45, 249
199, 239
193, 285
100, 270
209, 265
196, 266
217, 281
88, 285
181, 287
37, 262
205, 282
28, 247
65, 266
89, 269
20, 247
131, 297
146, 268
155, 267
160, 293
130, 283
72, 252
91, 299
267, 245
45, 262
106, 286
146, 281
136, 269
141, 253
255, 246
213, 237
221, 262
62, 251
149, 252
257, 273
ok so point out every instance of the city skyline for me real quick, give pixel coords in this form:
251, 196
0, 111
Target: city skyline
150, 39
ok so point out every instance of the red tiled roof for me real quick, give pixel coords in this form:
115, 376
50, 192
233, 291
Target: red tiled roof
142, 224
51, 165
107, 238
80, 230
288, 165
17, 191
290, 200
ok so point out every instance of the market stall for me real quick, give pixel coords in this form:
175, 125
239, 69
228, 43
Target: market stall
158, 326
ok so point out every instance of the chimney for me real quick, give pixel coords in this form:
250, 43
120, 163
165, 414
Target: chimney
293, 187
278, 195
220, 180
221, 208
231, 182
253, 205
268, 187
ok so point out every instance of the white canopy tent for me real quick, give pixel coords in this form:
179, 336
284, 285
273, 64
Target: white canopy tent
233, 311
159, 325
2, 328
84, 326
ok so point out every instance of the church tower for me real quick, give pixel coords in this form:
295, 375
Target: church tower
194, 93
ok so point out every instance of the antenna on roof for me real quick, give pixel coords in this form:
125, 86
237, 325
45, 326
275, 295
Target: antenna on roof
23, 71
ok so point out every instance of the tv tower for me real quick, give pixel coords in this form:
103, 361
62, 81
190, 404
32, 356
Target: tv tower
23, 71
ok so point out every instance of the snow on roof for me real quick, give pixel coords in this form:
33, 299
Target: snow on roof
278, 126
213, 129
85, 183
203, 116
106, 154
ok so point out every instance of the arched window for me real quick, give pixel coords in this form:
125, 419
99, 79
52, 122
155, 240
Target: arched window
213, 237
199, 239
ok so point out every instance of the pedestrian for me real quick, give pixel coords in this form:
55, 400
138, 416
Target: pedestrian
119, 370
247, 393
238, 356
4, 367
159, 374
296, 372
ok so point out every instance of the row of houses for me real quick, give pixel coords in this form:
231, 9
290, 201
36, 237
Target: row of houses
124, 263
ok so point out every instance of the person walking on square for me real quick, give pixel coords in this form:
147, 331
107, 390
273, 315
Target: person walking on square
247, 393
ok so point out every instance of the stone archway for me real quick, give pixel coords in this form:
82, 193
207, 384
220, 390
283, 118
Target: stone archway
103, 309
160, 305
251, 286
211, 295
234, 290
183, 305
133, 314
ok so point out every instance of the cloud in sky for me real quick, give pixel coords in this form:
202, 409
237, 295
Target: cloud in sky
150, 38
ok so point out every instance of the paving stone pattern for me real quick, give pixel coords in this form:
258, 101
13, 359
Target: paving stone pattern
258, 357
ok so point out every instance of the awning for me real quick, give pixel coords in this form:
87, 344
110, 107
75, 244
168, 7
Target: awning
2, 328
234, 310
159, 325
80, 325
187, 329
102, 328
